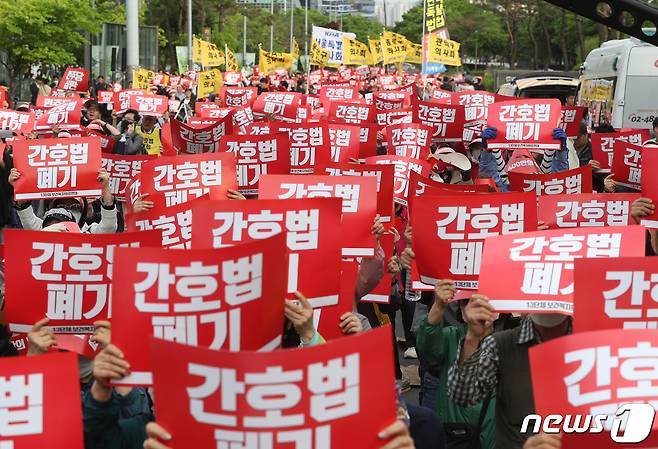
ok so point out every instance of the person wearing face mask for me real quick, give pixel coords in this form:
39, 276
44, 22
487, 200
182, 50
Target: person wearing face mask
71, 209
499, 362
129, 142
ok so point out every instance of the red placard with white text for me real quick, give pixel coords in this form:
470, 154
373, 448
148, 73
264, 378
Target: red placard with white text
457, 225
344, 141
183, 178
409, 140
312, 398
122, 169
578, 180
347, 112
339, 93
122, 99
235, 97
586, 210
420, 185
446, 121
385, 117
526, 123
538, 266
16, 121
383, 174
441, 96
367, 140
64, 276
603, 145
309, 145
627, 164
476, 108
650, 186
189, 139
597, 373
75, 79
50, 101
403, 166
571, 118
57, 168
34, 391
200, 297
267, 154
105, 97
359, 195
615, 295
233, 78
312, 230
151, 105
65, 116
388, 101
278, 105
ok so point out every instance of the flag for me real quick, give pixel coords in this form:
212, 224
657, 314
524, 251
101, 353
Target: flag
443, 51
231, 62
295, 48
209, 82
376, 51
269, 61
319, 56
355, 52
394, 47
434, 18
414, 53
207, 54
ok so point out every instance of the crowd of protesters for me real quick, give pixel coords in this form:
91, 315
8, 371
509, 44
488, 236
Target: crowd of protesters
475, 380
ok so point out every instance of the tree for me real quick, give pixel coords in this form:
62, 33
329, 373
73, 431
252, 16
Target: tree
43, 31
362, 27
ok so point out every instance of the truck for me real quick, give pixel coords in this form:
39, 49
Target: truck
619, 84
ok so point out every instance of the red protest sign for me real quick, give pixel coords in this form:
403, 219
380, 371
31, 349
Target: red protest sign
56, 168
183, 178
16, 121
50, 101
420, 185
586, 210
650, 186
387, 101
152, 105
203, 139
384, 117
209, 109
627, 164
603, 145
571, 119
615, 295
312, 230
383, 174
359, 195
257, 156
403, 166
367, 140
64, 276
122, 169
339, 93
232, 78
64, 116
278, 105
596, 374
441, 96
309, 145
105, 96
34, 392
356, 113
242, 117
201, 297
175, 222
527, 123
122, 99
457, 224
235, 97
476, 107
409, 140
344, 141
578, 180
74, 79
381, 294
538, 267
260, 401
522, 161
446, 121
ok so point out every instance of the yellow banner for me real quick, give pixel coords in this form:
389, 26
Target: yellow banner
376, 51
295, 48
197, 50
211, 56
355, 52
231, 62
443, 51
394, 47
414, 53
210, 82
319, 56
269, 62
142, 78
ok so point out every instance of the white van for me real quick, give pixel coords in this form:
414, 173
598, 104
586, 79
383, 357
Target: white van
619, 84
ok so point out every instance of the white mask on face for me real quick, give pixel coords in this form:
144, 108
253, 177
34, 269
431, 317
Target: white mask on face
547, 319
